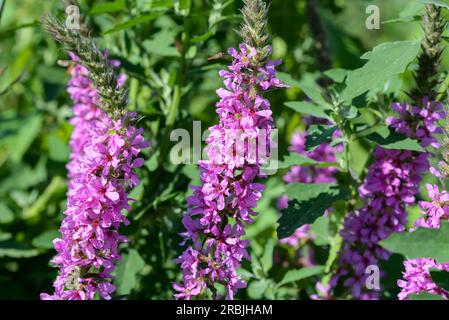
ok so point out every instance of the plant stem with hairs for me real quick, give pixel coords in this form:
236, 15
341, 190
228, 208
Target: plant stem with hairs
112, 98
254, 28
427, 75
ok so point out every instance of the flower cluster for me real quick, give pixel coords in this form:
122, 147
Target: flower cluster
224, 203
103, 161
390, 185
417, 278
424, 119
308, 174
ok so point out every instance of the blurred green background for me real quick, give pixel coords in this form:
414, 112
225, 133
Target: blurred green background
164, 46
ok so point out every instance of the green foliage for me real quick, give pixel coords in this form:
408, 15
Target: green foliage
306, 203
389, 139
164, 46
317, 135
430, 243
384, 62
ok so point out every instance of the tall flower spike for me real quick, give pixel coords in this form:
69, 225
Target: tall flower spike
224, 203
390, 186
112, 98
102, 165
426, 76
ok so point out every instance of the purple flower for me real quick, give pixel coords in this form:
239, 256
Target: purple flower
390, 185
103, 161
417, 278
225, 201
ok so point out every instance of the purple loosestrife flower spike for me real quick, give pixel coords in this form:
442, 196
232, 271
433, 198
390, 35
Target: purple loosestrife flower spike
390, 186
103, 162
113, 98
105, 154
417, 278
393, 178
224, 202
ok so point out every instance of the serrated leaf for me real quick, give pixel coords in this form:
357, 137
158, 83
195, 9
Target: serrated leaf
429, 243
306, 203
385, 61
317, 135
308, 108
299, 274
389, 139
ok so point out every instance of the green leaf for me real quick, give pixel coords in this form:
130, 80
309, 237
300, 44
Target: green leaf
441, 278
25, 137
337, 75
145, 18
57, 185
13, 249
320, 229
161, 44
108, 7
306, 203
429, 243
317, 135
299, 274
58, 149
256, 288
425, 296
439, 3
127, 270
314, 92
295, 159
267, 257
45, 239
6, 215
389, 139
288, 79
182, 7
385, 61
308, 109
